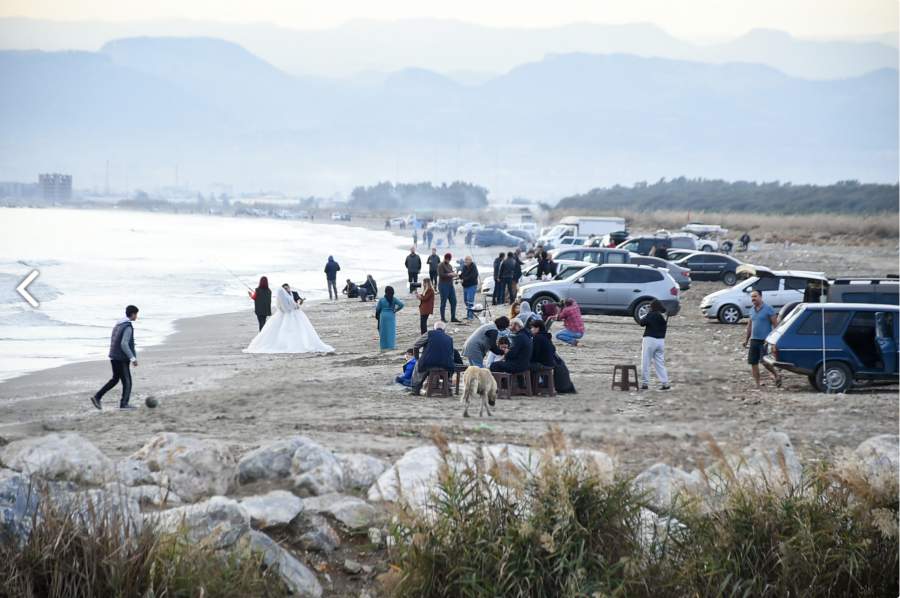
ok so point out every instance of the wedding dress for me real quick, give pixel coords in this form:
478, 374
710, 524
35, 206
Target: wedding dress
288, 331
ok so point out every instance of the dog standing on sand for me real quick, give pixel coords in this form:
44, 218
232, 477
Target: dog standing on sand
479, 382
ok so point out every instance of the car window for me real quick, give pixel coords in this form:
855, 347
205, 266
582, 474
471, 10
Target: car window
766, 284
593, 257
567, 255
630, 246
644, 276
696, 260
834, 322
715, 259
887, 298
615, 258
795, 284
621, 275
532, 271
568, 272
858, 298
597, 275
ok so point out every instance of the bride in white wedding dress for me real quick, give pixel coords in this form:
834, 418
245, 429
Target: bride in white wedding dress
288, 331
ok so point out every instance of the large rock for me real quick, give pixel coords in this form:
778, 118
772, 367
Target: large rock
59, 457
361, 471
597, 463
133, 472
192, 467
663, 484
219, 522
158, 496
299, 579
414, 478
274, 511
13, 528
320, 537
770, 462
881, 454
509, 462
349, 510
271, 462
316, 470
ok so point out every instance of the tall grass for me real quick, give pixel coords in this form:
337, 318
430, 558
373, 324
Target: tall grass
89, 552
563, 532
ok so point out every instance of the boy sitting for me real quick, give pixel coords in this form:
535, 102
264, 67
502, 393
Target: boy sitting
408, 367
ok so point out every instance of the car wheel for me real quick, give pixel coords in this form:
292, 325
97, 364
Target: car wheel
837, 378
641, 310
707, 248
537, 304
812, 381
787, 309
729, 278
730, 314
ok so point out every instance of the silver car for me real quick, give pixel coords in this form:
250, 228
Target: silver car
681, 274
610, 289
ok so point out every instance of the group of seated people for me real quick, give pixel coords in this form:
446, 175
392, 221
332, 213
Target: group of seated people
361, 291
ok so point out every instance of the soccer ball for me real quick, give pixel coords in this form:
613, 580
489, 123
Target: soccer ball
151, 401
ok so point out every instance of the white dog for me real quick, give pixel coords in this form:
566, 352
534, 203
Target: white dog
479, 382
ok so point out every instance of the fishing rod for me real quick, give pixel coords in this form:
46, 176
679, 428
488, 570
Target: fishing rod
232, 273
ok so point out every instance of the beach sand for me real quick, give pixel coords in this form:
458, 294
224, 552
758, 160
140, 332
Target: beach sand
208, 388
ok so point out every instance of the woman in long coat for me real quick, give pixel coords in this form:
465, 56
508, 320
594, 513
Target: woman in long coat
386, 311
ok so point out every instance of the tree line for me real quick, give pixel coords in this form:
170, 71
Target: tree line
843, 197
411, 196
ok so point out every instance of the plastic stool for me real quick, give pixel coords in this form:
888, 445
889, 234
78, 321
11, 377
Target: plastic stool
438, 384
624, 382
503, 384
519, 390
548, 389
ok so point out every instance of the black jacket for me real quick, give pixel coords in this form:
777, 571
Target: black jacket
413, 262
517, 273
263, 302
542, 350
543, 268
508, 268
331, 269
469, 275
654, 325
497, 268
518, 357
433, 261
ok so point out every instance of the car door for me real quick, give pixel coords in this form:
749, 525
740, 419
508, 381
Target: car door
885, 337
699, 267
771, 292
590, 289
624, 288
716, 266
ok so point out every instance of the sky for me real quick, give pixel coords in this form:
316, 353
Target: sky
694, 20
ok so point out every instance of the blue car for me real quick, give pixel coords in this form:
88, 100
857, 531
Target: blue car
837, 345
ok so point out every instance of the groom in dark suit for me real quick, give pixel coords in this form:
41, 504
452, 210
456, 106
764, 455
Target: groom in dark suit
293, 294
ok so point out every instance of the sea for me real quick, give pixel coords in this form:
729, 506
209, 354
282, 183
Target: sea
93, 263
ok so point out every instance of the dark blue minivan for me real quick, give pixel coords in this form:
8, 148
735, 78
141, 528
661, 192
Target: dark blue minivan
836, 345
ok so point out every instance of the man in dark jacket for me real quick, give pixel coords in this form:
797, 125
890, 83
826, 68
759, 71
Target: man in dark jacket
469, 278
507, 271
436, 354
121, 354
434, 261
368, 288
413, 267
496, 295
518, 357
351, 290
542, 352
517, 273
331, 270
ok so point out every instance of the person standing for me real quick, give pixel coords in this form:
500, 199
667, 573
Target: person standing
745, 241
413, 267
654, 345
496, 293
331, 270
386, 312
122, 355
517, 273
415, 239
662, 253
426, 304
543, 269
762, 319
507, 271
469, 278
446, 278
433, 262
574, 325
449, 237
484, 341
262, 301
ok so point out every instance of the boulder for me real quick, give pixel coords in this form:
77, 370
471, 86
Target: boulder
133, 472
881, 454
158, 496
192, 467
663, 483
14, 529
271, 462
59, 457
361, 471
771, 462
597, 463
509, 462
414, 478
219, 521
320, 537
316, 470
299, 578
274, 511
353, 512
18, 494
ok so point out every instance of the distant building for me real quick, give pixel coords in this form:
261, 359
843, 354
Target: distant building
13, 190
55, 187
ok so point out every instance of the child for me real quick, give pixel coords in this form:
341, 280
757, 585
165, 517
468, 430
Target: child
406, 378
503, 343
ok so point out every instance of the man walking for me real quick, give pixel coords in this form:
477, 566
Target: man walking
574, 325
507, 271
745, 241
446, 277
122, 354
433, 262
413, 267
762, 319
331, 270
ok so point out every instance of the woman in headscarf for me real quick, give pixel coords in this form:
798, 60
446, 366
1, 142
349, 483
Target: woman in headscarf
288, 331
386, 311
262, 299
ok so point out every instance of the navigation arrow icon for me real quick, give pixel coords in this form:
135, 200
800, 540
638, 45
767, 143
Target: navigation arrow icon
21, 288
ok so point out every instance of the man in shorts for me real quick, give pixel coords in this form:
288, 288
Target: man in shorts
762, 319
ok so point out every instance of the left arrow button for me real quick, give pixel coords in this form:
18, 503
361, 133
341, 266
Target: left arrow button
21, 288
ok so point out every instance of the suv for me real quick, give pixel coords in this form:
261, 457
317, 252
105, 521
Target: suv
859, 342
779, 289
611, 289
885, 291
494, 236
594, 256
643, 245
680, 274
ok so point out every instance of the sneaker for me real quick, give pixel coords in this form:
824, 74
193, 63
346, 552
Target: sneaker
644, 387
455, 320
126, 407
665, 388
96, 402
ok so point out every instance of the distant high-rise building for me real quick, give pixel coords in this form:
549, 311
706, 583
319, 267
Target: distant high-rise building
55, 187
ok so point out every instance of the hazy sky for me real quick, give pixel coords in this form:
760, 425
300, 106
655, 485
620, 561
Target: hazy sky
688, 19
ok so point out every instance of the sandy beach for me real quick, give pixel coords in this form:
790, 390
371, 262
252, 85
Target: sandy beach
346, 400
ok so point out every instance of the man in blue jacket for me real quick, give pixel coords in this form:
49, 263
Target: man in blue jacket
437, 354
331, 270
121, 354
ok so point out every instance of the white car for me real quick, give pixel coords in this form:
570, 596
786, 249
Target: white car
778, 288
468, 227
530, 274
398, 221
335, 215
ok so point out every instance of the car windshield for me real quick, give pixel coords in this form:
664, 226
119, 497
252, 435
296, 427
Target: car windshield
557, 230
569, 272
791, 317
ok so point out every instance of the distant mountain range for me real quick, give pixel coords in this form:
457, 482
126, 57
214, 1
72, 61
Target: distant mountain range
456, 48
553, 127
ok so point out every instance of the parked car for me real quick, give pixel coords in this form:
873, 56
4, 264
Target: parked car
564, 269
567, 242
681, 274
692, 241
601, 255
398, 221
335, 215
287, 215
469, 226
779, 288
859, 342
522, 234
712, 266
612, 289
678, 254
346, 217
643, 245
485, 237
